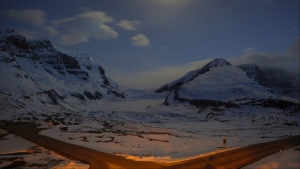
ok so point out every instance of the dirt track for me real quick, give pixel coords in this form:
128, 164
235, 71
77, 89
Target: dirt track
98, 160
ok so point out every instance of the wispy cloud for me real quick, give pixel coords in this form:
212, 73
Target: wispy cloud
32, 16
85, 26
129, 25
50, 30
140, 40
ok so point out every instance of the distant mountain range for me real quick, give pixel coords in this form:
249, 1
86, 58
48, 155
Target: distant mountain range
34, 72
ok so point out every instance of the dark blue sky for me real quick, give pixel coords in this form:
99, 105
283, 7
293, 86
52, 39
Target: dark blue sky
145, 43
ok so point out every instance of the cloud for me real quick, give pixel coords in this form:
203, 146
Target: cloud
50, 30
140, 40
32, 16
288, 60
129, 25
85, 26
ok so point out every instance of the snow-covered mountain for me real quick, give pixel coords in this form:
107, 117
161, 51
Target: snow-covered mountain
222, 85
191, 75
36, 69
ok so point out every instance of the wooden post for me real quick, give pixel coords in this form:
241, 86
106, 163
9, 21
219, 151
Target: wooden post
280, 152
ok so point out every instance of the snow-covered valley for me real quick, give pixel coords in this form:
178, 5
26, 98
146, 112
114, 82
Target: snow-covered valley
73, 100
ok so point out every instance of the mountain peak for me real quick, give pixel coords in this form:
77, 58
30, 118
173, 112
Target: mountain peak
191, 75
217, 62
214, 63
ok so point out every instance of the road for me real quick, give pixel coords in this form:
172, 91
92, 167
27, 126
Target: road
98, 160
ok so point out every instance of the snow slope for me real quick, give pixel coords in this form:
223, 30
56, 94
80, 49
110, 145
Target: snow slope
224, 83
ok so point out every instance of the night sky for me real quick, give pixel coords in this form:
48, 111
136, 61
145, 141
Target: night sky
146, 43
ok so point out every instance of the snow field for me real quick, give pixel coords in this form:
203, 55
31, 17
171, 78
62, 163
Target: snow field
289, 159
123, 133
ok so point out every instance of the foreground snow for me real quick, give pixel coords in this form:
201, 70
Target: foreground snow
286, 159
14, 149
143, 129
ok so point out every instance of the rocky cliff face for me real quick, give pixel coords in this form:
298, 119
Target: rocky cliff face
33, 67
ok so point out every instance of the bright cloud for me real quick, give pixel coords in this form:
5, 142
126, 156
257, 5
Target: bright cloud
31, 16
85, 26
140, 40
129, 25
